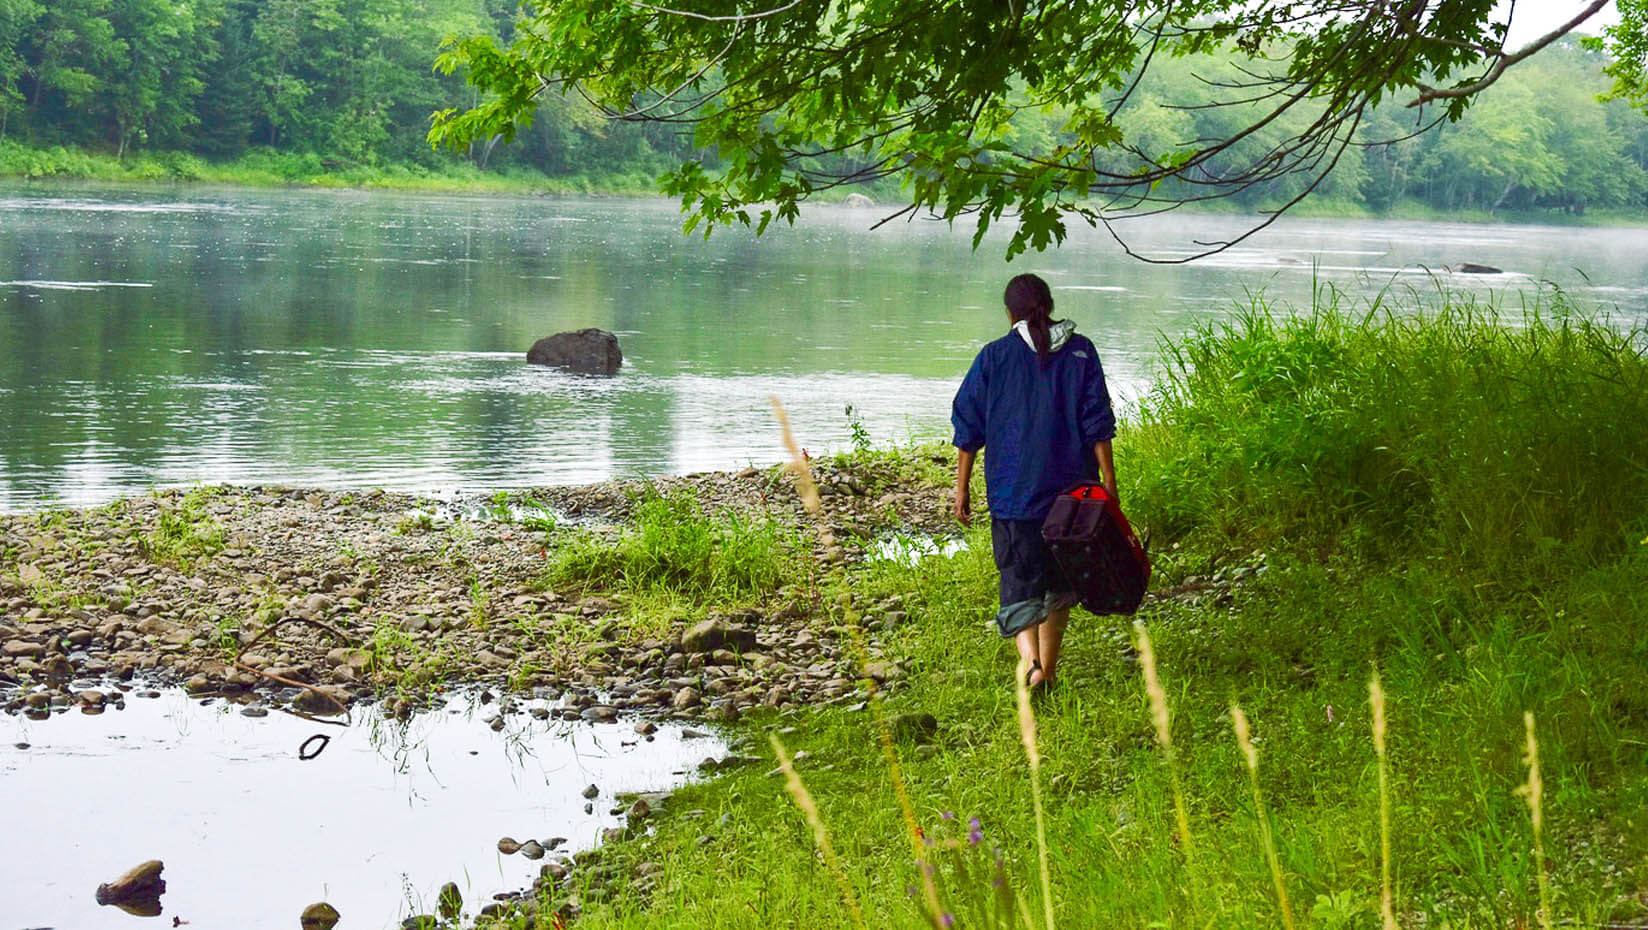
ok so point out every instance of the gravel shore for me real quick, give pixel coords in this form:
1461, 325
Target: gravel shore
312, 600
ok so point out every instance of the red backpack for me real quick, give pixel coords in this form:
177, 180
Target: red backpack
1097, 549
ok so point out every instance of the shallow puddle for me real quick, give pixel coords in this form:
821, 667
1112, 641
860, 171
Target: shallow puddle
909, 549
250, 834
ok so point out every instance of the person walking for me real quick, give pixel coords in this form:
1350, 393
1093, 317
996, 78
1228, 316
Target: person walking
1035, 401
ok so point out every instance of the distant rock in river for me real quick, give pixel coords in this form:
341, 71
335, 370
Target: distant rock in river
587, 351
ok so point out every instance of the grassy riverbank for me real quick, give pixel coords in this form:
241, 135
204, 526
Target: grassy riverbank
1455, 498
1460, 500
267, 168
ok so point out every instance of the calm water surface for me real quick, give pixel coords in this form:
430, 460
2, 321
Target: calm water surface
377, 340
251, 835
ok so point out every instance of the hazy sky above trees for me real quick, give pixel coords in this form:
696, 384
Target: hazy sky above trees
1534, 18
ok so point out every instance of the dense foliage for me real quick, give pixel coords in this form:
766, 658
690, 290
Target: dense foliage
294, 88
348, 82
808, 96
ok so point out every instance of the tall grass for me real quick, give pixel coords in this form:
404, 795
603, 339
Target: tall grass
1534, 793
1267, 839
1032, 754
821, 836
1163, 725
1504, 443
1387, 896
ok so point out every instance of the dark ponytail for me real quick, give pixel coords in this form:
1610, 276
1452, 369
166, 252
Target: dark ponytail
1030, 300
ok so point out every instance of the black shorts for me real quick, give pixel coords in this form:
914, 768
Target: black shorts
1029, 573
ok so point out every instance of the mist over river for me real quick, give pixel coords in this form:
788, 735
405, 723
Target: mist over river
344, 339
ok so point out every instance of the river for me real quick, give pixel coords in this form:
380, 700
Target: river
162, 337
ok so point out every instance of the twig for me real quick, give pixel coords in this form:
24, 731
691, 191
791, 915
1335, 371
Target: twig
309, 717
285, 620
735, 18
342, 707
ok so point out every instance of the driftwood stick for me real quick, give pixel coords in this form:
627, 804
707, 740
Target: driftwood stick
342, 707
309, 717
285, 620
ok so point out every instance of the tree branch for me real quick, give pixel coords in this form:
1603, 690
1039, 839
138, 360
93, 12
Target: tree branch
735, 18
1428, 94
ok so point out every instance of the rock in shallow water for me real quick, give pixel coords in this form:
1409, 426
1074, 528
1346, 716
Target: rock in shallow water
319, 916
450, 901
140, 884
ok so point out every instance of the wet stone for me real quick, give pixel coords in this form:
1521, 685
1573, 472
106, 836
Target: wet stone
319, 916
600, 713
139, 883
19, 649
450, 901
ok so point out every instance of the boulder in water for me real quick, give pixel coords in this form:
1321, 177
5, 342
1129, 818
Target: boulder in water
859, 200
586, 351
138, 891
1473, 268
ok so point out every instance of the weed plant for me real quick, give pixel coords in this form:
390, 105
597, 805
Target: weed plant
672, 545
185, 533
1457, 496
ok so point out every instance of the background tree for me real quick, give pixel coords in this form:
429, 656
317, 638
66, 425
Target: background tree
929, 91
67, 45
152, 77
16, 17
298, 87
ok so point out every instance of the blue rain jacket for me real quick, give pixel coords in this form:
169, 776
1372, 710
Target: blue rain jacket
1038, 426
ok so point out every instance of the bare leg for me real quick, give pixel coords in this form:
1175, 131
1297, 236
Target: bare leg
1050, 640
1028, 644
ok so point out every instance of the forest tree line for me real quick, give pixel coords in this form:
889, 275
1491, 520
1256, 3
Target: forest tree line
350, 83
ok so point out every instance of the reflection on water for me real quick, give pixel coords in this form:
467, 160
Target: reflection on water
378, 340
250, 835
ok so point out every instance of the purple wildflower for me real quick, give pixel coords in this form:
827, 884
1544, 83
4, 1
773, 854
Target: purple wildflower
948, 815
975, 833
947, 920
